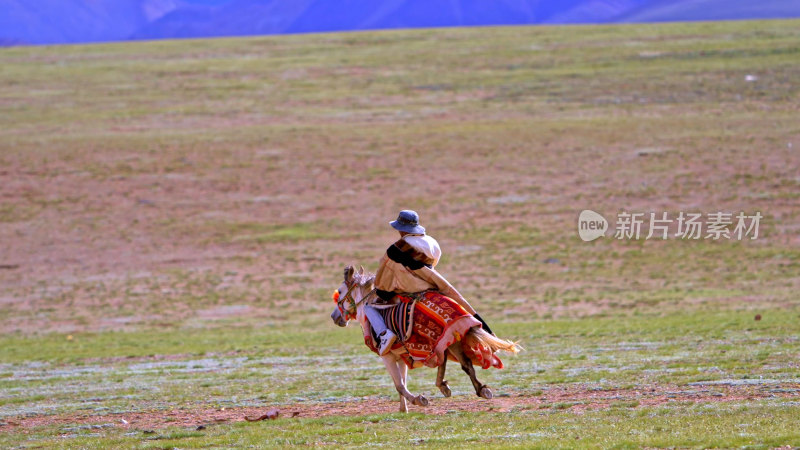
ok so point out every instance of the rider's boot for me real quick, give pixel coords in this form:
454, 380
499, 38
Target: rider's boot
387, 339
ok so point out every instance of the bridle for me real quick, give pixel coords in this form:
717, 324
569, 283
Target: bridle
348, 296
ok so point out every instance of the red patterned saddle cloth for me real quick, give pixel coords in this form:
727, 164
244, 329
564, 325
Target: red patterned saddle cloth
426, 323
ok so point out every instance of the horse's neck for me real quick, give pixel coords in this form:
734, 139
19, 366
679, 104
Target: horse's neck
361, 301
362, 293
360, 308
361, 317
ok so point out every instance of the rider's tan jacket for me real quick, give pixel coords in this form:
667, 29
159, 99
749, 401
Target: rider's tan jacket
409, 266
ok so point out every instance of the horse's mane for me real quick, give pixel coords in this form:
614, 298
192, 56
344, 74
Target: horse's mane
361, 278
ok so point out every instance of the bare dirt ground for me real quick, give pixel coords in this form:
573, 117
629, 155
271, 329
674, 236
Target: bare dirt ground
576, 399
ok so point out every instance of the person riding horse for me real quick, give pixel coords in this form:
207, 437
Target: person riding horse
408, 266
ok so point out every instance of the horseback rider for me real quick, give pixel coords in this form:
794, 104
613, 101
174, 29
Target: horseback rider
408, 266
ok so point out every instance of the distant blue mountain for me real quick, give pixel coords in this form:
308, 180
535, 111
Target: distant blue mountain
686, 11
248, 17
69, 21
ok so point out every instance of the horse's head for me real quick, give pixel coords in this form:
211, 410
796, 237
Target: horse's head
354, 288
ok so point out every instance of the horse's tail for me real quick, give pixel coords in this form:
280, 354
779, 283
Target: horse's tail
491, 341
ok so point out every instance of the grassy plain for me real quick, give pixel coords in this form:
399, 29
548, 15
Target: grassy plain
175, 215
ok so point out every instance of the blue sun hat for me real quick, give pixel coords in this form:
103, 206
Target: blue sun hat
408, 221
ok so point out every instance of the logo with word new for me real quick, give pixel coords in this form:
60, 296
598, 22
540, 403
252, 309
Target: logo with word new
717, 226
591, 225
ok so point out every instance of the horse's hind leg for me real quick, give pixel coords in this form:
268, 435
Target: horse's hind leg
441, 383
481, 389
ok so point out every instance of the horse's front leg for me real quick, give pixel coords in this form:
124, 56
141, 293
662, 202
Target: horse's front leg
403, 369
403, 404
441, 383
391, 366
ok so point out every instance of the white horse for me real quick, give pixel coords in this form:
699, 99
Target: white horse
358, 288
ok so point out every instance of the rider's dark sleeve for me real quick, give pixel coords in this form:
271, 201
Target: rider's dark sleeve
385, 295
483, 322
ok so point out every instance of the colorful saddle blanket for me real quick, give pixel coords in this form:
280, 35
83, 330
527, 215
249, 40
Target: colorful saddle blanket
398, 318
426, 324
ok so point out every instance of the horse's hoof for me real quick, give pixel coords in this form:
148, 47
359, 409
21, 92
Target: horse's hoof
445, 389
486, 393
420, 400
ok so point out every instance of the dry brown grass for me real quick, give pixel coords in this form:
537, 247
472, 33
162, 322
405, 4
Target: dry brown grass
152, 183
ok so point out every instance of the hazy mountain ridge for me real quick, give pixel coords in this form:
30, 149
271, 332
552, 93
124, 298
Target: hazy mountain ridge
694, 10
68, 21
303, 16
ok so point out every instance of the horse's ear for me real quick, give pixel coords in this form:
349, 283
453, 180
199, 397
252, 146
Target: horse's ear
361, 269
348, 273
